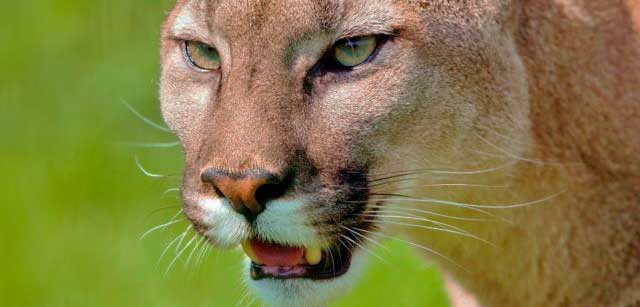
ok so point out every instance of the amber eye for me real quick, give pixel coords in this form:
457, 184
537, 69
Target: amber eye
202, 55
354, 51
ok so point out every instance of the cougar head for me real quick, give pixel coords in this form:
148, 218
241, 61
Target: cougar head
293, 114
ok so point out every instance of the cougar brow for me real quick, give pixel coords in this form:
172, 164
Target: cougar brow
189, 22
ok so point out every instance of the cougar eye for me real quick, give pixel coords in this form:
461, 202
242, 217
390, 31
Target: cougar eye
202, 55
350, 52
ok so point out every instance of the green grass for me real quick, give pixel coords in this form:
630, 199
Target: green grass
73, 202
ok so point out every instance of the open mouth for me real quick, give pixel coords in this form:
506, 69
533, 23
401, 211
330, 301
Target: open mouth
270, 260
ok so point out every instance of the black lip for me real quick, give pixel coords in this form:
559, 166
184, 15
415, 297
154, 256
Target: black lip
334, 264
337, 260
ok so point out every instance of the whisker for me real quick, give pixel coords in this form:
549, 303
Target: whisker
163, 209
351, 245
160, 145
392, 206
403, 215
172, 190
463, 185
364, 237
375, 180
493, 131
432, 170
145, 172
177, 213
406, 199
378, 184
417, 179
244, 297
145, 119
465, 205
390, 195
484, 171
464, 234
202, 255
333, 264
181, 239
195, 247
167, 248
207, 254
171, 243
385, 213
365, 249
399, 172
179, 254
152, 145
346, 186
199, 254
435, 171
343, 245
159, 227
508, 154
430, 250
488, 154
495, 217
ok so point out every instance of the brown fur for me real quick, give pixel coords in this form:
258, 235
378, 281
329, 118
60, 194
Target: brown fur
547, 91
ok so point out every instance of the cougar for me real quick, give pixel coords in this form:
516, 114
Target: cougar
500, 138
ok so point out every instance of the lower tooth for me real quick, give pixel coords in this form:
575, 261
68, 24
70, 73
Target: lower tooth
313, 255
246, 246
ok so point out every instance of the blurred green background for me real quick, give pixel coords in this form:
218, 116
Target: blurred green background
73, 202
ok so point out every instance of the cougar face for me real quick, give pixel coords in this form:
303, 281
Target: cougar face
294, 114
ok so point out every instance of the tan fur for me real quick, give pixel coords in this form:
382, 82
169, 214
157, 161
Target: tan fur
539, 99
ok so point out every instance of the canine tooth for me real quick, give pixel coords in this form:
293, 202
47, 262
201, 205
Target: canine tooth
313, 255
246, 246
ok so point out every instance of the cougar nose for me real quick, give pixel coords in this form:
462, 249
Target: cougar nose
247, 191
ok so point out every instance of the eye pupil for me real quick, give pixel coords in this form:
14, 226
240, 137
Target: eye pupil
202, 55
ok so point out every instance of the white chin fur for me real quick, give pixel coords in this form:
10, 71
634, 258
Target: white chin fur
302, 292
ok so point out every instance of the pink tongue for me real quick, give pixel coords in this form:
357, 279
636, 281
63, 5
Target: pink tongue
277, 255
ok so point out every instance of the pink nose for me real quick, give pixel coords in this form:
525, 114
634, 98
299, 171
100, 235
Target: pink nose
248, 191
